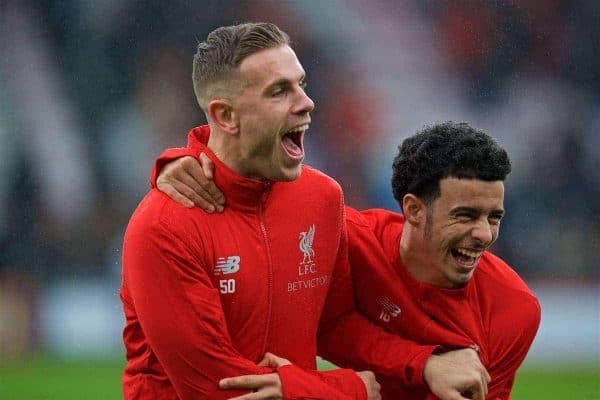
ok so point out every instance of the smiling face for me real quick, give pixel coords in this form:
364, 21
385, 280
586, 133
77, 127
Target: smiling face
459, 225
273, 113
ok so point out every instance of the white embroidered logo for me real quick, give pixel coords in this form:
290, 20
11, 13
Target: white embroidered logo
389, 310
231, 265
306, 242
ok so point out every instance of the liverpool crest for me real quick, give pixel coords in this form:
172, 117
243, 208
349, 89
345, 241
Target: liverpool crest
306, 242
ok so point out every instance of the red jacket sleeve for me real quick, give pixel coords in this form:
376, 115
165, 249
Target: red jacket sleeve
180, 311
512, 346
197, 139
166, 157
299, 384
349, 339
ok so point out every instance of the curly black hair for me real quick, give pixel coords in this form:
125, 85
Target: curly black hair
445, 150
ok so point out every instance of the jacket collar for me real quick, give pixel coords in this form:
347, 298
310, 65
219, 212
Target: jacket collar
241, 194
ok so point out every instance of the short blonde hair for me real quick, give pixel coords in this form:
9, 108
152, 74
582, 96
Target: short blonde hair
224, 49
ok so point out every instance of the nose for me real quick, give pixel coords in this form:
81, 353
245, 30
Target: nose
304, 104
483, 232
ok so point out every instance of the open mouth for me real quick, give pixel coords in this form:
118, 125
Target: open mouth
292, 142
466, 258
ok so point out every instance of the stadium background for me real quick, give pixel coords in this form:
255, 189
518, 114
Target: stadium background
91, 91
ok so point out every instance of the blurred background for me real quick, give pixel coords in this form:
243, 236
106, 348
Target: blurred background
92, 91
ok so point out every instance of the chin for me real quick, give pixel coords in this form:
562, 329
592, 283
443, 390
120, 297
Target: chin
462, 280
291, 174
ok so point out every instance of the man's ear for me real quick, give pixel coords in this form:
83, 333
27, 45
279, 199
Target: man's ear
223, 114
414, 209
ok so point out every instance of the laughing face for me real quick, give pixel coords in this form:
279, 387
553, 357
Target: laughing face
461, 223
273, 112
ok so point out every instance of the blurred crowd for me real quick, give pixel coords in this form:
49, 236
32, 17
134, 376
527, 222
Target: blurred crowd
92, 91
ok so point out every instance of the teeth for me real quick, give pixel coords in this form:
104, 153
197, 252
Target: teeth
298, 129
469, 253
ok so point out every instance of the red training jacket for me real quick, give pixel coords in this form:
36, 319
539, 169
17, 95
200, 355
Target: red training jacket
495, 312
206, 295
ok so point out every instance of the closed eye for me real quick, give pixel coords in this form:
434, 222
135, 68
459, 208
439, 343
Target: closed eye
495, 218
278, 92
464, 216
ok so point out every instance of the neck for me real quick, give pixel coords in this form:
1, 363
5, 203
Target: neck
226, 148
411, 249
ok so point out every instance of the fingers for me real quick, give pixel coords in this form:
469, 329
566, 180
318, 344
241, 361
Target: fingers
485, 377
266, 361
170, 191
476, 387
454, 395
182, 193
479, 388
265, 386
199, 195
458, 374
184, 178
202, 172
170, 183
273, 361
194, 175
207, 165
247, 382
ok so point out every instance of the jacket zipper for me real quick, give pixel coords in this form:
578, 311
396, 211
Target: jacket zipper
263, 230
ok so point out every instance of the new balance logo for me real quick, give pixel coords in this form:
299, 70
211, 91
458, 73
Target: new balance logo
389, 309
231, 265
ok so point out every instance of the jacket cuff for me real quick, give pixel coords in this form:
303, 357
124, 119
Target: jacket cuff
298, 384
166, 157
347, 380
416, 366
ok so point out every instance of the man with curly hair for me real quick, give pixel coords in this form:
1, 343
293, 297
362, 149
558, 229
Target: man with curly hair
427, 274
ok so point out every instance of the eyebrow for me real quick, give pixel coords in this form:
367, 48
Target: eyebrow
279, 82
283, 82
472, 210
